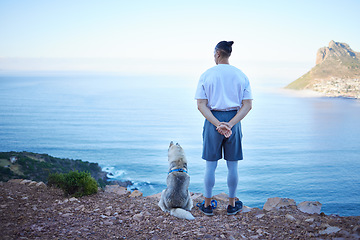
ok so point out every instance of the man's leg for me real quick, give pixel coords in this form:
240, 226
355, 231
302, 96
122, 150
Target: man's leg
209, 180
232, 180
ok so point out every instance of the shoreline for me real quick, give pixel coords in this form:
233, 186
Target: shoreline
309, 93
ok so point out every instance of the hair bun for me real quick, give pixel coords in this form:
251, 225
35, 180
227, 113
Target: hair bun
225, 46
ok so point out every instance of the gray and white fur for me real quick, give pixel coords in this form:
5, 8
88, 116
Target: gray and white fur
176, 197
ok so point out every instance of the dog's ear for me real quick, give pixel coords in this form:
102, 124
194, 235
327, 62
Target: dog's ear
177, 144
171, 143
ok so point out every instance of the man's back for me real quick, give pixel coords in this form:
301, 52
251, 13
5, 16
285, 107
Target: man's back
224, 86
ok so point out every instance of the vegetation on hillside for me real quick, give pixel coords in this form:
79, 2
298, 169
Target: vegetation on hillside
38, 167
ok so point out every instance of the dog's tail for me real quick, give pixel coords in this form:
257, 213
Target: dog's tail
181, 213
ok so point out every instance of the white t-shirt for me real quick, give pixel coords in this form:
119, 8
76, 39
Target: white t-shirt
224, 86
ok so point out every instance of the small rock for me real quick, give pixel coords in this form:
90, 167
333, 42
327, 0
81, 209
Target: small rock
116, 189
32, 183
291, 218
310, 207
138, 217
246, 209
324, 225
259, 215
221, 197
73, 199
146, 213
155, 196
25, 182
136, 193
108, 223
197, 196
36, 228
67, 214
345, 233
81, 207
41, 185
24, 198
330, 230
276, 203
310, 220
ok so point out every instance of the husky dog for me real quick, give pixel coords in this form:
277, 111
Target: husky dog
176, 197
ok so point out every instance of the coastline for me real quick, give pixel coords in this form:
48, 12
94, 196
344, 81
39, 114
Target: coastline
309, 93
37, 167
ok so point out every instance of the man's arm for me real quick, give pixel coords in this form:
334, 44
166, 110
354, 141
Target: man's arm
244, 110
206, 112
223, 127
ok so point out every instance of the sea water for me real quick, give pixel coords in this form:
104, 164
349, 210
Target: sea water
304, 148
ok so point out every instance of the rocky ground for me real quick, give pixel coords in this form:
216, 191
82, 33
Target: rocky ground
30, 210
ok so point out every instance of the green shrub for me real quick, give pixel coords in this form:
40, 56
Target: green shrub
56, 180
74, 183
5, 173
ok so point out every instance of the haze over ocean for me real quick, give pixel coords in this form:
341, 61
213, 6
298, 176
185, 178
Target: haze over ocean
305, 148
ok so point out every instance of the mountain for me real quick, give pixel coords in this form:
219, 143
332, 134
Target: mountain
336, 74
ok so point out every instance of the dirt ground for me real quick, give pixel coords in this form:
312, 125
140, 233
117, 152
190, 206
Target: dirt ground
39, 212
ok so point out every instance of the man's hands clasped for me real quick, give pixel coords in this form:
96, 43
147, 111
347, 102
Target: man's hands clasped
224, 129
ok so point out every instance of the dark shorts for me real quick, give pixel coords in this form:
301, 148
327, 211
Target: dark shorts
214, 143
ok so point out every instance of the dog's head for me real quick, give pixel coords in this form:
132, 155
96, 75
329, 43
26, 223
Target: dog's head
176, 156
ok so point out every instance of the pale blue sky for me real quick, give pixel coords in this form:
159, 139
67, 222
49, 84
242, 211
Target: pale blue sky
171, 37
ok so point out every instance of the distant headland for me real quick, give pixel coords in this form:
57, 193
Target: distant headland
336, 73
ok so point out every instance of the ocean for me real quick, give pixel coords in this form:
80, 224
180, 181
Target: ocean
302, 147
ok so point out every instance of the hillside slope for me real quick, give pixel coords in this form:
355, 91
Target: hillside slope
336, 74
37, 167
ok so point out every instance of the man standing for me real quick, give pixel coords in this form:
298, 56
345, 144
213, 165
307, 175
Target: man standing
224, 98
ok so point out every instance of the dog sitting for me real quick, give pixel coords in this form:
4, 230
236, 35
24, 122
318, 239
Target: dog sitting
176, 197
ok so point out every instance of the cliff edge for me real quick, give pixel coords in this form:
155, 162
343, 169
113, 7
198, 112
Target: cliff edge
336, 73
31, 210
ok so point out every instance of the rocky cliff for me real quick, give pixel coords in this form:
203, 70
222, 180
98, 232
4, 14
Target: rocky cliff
336, 74
30, 210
